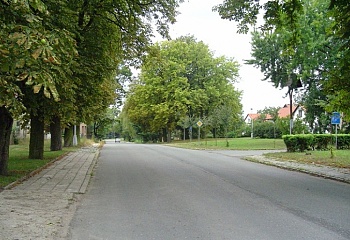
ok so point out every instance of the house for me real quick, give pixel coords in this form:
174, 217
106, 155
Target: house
298, 112
255, 116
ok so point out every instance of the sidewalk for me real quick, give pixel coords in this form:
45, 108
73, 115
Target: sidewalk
70, 175
41, 207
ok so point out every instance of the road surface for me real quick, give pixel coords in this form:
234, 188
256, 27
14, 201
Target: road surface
160, 192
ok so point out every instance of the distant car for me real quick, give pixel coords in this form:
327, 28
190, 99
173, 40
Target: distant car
117, 140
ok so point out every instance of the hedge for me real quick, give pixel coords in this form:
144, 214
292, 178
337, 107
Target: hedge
302, 142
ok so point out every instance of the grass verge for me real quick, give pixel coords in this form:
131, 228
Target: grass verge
340, 159
233, 144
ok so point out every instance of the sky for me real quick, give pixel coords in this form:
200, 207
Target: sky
196, 18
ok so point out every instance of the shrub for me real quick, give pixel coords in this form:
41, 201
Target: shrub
302, 142
321, 141
291, 143
343, 141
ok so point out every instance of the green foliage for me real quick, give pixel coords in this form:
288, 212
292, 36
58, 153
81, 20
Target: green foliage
298, 142
304, 142
321, 141
266, 129
35, 53
343, 141
60, 58
103, 124
293, 31
181, 78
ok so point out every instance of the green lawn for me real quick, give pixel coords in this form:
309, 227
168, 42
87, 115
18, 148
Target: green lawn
19, 165
341, 158
234, 144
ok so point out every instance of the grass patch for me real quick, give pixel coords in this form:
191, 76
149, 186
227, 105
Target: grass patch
233, 144
19, 165
340, 159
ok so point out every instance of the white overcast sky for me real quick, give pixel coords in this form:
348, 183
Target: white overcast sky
196, 18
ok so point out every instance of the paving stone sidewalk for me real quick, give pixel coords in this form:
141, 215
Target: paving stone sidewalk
71, 174
41, 207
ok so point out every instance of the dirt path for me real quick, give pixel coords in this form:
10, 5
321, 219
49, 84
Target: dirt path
35, 215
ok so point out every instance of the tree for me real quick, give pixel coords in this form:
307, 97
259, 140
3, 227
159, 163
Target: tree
290, 19
179, 78
226, 115
30, 59
272, 111
185, 122
43, 39
268, 49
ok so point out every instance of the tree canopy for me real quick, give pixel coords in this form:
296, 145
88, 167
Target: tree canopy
294, 30
59, 59
179, 78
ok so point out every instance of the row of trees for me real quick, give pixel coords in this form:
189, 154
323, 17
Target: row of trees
302, 42
180, 83
59, 61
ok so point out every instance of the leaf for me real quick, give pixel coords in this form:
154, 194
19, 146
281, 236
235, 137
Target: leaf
54, 93
37, 88
4, 51
47, 93
20, 63
37, 53
22, 76
17, 35
5, 67
53, 60
21, 40
30, 81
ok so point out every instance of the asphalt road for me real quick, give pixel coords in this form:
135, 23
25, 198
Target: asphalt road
159, 192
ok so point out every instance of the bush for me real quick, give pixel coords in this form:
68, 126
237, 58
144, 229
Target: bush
290, 142
296, 143
321, 141
302, 142
231, 134
343, 141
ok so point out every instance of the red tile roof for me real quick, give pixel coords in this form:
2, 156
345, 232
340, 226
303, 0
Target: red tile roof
255, 116
282, 113
285, 111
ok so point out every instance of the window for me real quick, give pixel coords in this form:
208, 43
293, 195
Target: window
300, 113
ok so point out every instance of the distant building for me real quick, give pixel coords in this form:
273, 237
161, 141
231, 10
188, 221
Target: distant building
83, 130
298, 112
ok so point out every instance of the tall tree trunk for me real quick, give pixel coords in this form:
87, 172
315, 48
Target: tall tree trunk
68, 136
36, 143
6, 122
168, 135
164, 135
56, 134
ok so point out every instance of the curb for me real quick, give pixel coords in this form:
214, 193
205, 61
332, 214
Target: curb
301, 168
89, 172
